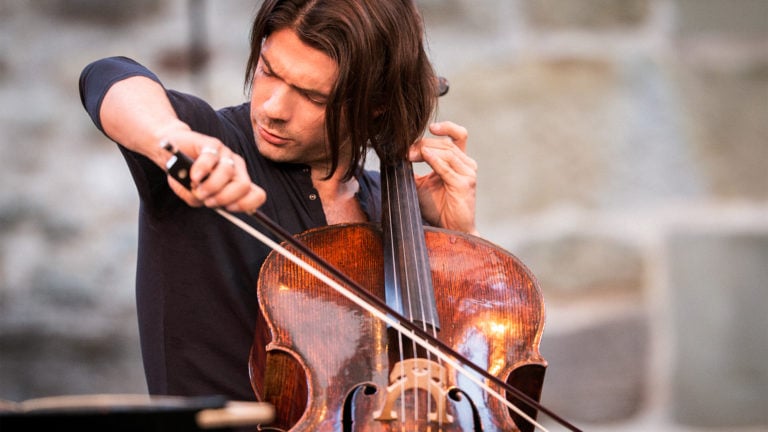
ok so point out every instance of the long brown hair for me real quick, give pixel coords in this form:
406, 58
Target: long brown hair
386, 89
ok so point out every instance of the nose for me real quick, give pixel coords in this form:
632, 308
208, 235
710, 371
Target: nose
278, 102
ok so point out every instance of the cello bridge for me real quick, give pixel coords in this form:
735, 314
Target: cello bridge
417, 374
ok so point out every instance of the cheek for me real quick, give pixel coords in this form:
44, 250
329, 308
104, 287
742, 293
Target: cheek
318, 126
257, 97
309, 118
316, 119
261, 88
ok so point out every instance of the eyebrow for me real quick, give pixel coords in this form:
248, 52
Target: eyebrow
311, 93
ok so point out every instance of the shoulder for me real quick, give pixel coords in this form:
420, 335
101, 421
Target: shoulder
99, 75
238, 116
230, 124
371, 178
370, 193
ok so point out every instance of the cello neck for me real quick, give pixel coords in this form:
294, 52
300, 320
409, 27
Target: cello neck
407, 274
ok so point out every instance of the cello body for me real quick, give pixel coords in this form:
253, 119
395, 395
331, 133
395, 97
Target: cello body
332, 366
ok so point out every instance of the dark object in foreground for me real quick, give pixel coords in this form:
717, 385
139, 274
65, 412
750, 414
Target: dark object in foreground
131, 413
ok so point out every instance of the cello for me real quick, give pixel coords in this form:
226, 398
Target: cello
331, 366
339, 386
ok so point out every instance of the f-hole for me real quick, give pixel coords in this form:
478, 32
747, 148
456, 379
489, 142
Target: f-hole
529, 379
347, 417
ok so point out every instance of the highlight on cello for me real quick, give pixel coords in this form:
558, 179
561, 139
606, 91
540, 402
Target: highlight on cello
349, 298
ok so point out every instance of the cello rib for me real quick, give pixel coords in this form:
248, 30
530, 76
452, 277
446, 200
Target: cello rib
496, 317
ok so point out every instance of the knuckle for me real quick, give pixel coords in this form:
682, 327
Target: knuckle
469, 183
462, 133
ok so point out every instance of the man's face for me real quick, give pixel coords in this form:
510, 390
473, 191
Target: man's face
291, 86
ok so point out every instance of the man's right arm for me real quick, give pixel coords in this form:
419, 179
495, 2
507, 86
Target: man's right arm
128, 104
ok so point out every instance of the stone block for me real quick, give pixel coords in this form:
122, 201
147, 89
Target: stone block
578, 265
596, 374
587, 14
99, 11
733, 18
725, 104
40, 361
719, 291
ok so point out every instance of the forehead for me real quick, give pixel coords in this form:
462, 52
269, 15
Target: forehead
297, 63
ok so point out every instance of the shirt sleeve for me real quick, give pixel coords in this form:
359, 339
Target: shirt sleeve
97, 78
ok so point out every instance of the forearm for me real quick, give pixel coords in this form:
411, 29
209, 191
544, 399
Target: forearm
136, 113
128, 103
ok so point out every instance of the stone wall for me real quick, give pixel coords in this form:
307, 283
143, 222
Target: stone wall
623, 153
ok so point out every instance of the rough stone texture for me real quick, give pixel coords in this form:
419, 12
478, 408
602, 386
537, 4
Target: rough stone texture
588, 14
107, 12
737, 18
582, 266
729, 146
604, 383
91, 355
544, 129
719, 307
601, 127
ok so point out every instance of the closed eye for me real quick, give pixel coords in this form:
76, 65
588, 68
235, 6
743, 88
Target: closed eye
316, 97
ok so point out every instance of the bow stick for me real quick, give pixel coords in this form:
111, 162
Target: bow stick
178, 167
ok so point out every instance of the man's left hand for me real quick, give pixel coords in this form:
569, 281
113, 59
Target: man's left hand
447, 194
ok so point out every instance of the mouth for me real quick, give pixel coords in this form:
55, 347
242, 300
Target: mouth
270, 137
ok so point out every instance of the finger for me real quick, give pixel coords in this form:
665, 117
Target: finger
207, 158
221, 174
228, 195
447, 135
458, 134
250, 202
455, 169
237, 193
239, 197
182, 192
210, 150
441, 158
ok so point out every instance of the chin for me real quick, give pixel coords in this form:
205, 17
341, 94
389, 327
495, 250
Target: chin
275, 154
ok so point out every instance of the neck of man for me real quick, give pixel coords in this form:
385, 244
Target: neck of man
338, 196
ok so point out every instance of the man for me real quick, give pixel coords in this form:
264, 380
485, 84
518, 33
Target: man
328, 79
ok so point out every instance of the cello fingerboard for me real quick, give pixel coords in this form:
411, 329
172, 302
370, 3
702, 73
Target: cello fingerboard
407, 276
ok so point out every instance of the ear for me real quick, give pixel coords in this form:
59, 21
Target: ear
442, 86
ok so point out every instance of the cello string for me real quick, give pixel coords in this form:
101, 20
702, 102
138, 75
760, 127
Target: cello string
397, 289
178, 167
403, 178
397, 324
397, 213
